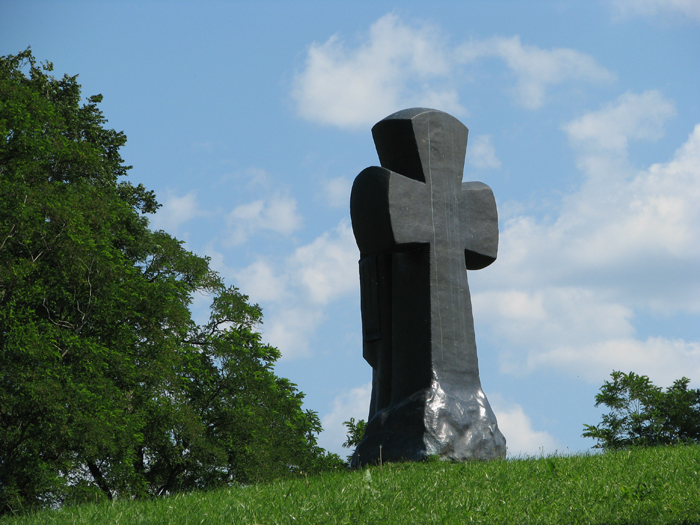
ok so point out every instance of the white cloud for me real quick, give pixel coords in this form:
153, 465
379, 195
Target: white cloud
355, 87
663, 360
556, 316
536, 69
621, 228
176, 211
481, 152
262, 282
688, 8
647, 225
578, 331
326, 269
516, 426
336, 192
354, 403
217, 262
278, 214
298, 288
566, 291
315, 274
257, 178
290, 328
631, 116
398, 66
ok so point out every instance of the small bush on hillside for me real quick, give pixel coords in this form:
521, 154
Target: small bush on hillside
642, 414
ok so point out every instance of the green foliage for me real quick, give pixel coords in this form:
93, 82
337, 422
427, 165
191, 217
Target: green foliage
107, 386
644, 415
356, 431
637, 487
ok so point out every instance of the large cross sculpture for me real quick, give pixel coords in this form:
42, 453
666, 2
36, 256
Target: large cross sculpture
419, 228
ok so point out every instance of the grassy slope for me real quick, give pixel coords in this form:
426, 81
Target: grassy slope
658, 485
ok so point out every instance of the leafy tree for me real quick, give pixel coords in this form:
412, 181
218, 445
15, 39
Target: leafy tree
107, 386
642, 414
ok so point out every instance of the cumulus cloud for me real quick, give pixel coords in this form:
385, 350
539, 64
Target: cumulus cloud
566, 290
261, 281
536, 69
326, 269
622, 225
176, 211
662, 359
351, 87
353, 403
289, 330
336, 192
398, 65
605, 133
556, 315
299, 287
579, 332
521, 438
685, 8
277, 214
321, 271
481, 152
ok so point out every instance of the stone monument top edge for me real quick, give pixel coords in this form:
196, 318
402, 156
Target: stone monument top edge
406, 140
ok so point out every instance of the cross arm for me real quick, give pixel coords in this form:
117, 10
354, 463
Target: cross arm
387, 211
480, 223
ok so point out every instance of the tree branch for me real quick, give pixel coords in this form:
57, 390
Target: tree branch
99, 479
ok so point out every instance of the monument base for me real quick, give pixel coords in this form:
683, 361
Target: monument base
431, 423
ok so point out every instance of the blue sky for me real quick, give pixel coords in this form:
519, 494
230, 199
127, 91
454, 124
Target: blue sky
250, 121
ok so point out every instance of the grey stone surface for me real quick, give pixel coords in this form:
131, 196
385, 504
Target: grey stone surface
419, 228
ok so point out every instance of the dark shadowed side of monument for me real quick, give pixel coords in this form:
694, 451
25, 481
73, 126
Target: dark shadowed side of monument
419, 228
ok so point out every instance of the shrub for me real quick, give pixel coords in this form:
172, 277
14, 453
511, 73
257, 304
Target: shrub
642, 414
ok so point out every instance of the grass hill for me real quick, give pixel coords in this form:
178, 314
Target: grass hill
639, 486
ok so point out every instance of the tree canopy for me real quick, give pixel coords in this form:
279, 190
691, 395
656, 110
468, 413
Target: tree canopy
107, 386
642, 414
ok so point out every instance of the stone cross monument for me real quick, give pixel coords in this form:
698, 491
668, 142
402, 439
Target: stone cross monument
419, 229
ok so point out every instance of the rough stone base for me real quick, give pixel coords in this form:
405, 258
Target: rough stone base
454, 427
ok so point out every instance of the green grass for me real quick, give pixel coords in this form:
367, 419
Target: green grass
654, 485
